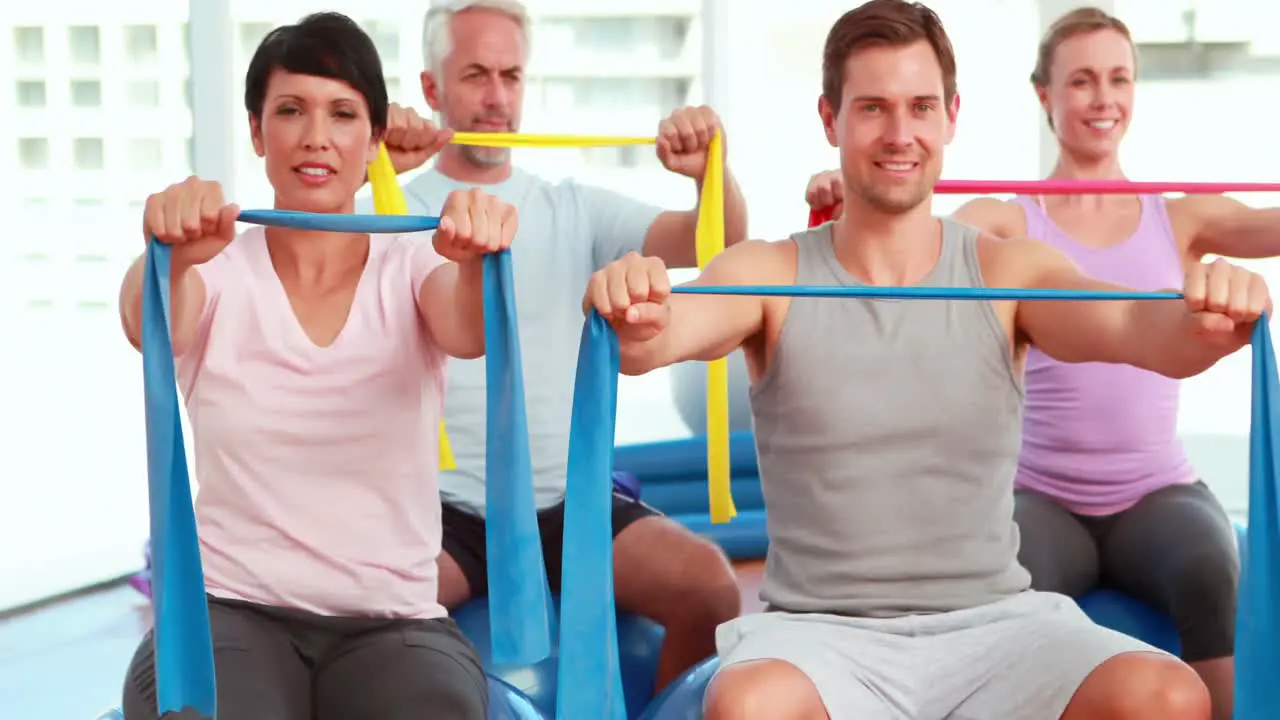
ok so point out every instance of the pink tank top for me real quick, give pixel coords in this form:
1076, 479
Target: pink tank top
1098, 437
316, 465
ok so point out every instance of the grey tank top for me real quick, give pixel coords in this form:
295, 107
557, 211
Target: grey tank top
888, 434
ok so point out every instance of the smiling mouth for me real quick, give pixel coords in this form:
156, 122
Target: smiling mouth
897, 166
313, 171
1101, 124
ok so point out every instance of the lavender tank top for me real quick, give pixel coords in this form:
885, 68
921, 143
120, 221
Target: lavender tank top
1098, 437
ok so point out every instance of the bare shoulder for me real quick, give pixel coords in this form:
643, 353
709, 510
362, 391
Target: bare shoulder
1019, 261
992, 215
753, 262
1190, 213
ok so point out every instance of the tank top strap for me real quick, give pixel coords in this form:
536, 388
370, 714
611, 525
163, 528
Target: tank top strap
1033, 212
1155, 218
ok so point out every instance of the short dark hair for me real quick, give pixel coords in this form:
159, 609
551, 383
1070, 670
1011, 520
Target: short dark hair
891, 23
326, 44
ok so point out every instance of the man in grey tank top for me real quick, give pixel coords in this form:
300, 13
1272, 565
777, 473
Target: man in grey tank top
888, 431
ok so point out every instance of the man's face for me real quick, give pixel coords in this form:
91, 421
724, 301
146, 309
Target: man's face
892, 125
480, 85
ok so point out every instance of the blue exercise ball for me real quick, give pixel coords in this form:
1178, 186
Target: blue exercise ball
505, 703
639, 641
682, 699
689, 393
508, 703
1120, 612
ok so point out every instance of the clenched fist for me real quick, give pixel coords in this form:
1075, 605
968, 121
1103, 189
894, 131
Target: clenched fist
826, 192
632, 295
1225, 300
411, 139
474, 223
193, 217
683, 139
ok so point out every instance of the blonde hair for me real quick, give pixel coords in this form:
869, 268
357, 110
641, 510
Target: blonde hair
1080, 21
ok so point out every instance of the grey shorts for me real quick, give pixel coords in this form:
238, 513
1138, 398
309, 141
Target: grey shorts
1021, 658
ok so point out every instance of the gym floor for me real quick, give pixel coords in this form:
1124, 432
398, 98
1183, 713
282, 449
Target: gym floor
66, 660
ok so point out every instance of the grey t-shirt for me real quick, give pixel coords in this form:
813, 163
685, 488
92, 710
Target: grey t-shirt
567, 231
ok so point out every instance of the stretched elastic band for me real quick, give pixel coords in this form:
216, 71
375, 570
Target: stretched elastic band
516, 140
183, 646
817, 216
330, 222
709, 242
1094, 187
1258, 616
520, 612
1258, 613
922, 293
389, 199
590, 680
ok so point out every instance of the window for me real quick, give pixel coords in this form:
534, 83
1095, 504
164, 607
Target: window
86, 93
33, 153
89, 153
31, 93
86, 44
386, 38
626, 156
28, 45
250, 35
146, 154
141, 44
144, 93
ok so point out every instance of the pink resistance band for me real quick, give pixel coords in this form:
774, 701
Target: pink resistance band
1075, 187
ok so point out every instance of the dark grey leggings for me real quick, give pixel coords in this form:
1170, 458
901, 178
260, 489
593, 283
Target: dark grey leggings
277, 664
1175, 550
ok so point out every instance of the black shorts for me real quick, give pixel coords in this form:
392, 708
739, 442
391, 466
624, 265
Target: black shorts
464, 538
284, 664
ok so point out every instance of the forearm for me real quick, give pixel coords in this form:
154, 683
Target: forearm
1243, 234
699, 328
186, 300
735, 210
455, 308
1161, 338
638, 358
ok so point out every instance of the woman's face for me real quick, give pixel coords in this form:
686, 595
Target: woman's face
317, 141
1090, 93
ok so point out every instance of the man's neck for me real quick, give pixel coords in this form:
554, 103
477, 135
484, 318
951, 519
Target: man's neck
454, 166
888, 249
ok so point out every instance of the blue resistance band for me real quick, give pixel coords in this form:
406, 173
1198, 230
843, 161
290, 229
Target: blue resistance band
588, 658
520, 611
589, 686
183, 647
520, 616
1257, 694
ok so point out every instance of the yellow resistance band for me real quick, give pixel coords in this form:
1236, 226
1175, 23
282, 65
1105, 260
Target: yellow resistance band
389, 199
709, 240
